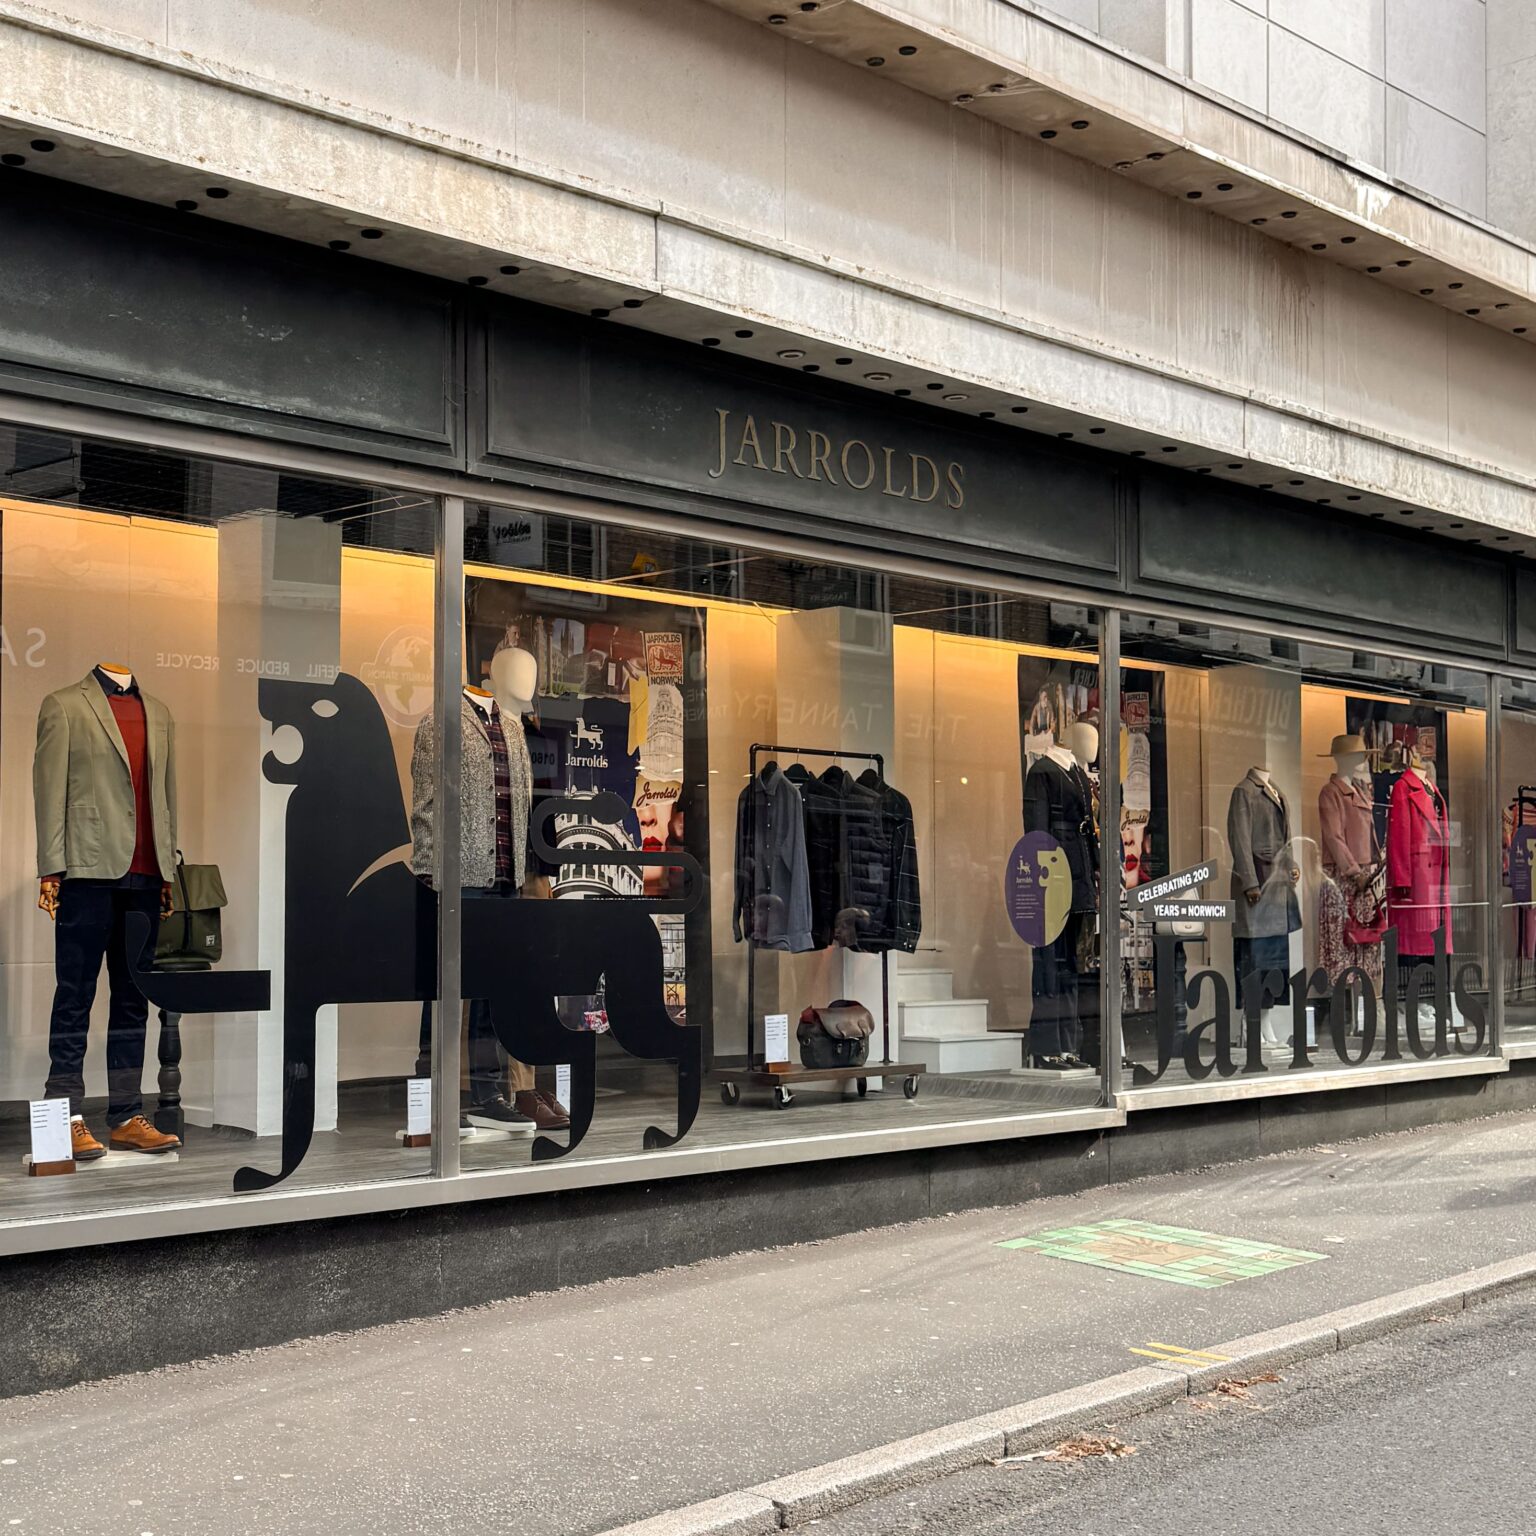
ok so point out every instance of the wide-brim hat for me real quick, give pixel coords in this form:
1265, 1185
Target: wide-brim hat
1344, 745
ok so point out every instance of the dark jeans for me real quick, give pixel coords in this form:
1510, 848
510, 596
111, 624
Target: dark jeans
487, 1059
1054, 1025
91, 923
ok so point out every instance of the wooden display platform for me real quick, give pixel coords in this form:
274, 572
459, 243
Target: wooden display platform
781, 1081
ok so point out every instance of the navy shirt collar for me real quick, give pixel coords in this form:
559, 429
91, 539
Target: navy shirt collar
111, 687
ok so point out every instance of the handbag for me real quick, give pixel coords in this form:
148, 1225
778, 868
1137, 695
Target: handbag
835, 1036
1365, 911
192, 933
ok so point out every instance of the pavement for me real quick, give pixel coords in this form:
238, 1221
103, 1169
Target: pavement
573, 1412
1422, 1431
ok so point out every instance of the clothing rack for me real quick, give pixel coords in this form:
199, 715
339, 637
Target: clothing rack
758, 1073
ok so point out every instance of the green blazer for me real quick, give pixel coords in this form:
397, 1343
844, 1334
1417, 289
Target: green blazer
82, 789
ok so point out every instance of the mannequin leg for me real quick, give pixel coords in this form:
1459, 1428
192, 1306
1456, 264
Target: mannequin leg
82, 929
128, 1013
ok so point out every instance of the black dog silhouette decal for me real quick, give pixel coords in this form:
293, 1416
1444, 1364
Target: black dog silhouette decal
360, 927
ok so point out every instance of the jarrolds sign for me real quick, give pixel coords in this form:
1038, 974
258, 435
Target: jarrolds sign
610, 403
1411, 1018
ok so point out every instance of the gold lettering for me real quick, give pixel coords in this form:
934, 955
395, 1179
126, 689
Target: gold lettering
933, 475
890, 490
749, 440
869, 464
719, 469
821, 451
784, 448
955, 475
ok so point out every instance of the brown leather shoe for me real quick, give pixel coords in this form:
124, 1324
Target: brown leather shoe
543, 1110
86, 1148
138, 1135
555, 1105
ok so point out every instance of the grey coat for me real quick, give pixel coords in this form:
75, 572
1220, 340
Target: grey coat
478, 783
772, 904
1259, 833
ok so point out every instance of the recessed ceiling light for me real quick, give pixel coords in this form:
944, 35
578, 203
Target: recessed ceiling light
346, 245
1097, 431
1047, 133
1019, 410
957, 397
371, 234
875, 62
792, 354
877, 378
185, 204
743, 335
842, 362
13, 159
906, 50
218, 192
901, 391
633, 303
509, 271
44, 146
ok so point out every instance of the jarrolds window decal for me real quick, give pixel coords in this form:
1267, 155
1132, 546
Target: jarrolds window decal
361, 927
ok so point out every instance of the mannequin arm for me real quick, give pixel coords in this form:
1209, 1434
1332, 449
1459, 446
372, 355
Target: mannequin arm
50, 787
48, 895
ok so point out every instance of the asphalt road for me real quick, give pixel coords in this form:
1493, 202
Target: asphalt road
1424, 1431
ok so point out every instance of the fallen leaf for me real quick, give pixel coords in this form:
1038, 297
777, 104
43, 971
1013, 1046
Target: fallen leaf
1078, 1448
1237, 1386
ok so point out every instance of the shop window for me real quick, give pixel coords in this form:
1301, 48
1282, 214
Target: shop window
1303, 858
1516, 859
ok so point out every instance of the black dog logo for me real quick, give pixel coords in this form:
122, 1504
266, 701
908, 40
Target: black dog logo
359, 928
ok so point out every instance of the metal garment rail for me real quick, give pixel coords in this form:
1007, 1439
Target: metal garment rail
885, 955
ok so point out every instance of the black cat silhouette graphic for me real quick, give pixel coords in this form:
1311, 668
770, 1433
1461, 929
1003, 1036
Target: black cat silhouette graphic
360, 928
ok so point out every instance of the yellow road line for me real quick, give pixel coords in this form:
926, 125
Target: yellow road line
1203, 1354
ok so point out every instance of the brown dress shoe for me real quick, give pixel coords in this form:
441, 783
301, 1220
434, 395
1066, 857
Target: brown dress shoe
555, 1105
86, 1148
138, 1135
542, 1109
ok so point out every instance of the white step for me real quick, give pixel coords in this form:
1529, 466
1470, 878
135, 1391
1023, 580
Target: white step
980, 1053
924, 986
951, 1018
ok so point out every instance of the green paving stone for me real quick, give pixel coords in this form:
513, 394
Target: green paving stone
1217, 1260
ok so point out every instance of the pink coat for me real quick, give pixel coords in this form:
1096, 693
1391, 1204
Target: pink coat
1418, 862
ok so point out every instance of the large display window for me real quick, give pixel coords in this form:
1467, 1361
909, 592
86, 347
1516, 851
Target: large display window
775, 849
1516, 806
1305, 864
178, 642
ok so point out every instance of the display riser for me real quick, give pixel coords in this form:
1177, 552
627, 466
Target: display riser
950, 1019
980, 1053
923, 986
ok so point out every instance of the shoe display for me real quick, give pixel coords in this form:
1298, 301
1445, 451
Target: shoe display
544, 1109
86, 1149
138, 1135
498, 1115
1075, 1062
1052, 1064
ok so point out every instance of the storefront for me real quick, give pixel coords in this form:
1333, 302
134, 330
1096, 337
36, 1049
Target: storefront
741, 760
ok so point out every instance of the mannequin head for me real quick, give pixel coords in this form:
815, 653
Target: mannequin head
1083, 739
1349, 757
514, 680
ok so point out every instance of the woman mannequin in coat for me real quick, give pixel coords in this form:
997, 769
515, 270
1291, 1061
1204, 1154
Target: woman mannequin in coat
1418, 863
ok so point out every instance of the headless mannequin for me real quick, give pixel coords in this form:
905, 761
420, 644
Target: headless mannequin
1271, 1020
48, 885
1083, 739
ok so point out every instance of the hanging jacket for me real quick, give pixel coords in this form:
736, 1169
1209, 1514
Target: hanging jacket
772, 902
901, 924
1418, 865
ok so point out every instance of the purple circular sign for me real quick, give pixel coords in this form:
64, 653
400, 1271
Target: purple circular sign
1037, 887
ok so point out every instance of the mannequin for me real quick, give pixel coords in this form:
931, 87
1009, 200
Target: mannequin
1418, 868
104, 792
496, 790
1058, 800
1264, 879
1351, 860
1083, 739
514, 680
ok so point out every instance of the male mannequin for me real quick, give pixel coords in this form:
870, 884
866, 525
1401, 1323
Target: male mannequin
104, 794
1058, 800
1264, 879
496, 789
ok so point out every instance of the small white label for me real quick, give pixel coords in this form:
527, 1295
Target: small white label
418, 1106
50, 1131
563, 1085
776, 1037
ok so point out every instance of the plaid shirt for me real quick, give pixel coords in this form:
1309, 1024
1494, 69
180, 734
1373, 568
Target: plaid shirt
503, 775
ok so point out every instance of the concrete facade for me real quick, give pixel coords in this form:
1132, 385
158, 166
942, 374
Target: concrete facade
695, 153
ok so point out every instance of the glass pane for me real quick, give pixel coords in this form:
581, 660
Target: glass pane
760, 826
1303, 857
1517, 802
211, 678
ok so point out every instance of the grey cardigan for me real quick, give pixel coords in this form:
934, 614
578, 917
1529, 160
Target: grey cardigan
1259, 832
478, 782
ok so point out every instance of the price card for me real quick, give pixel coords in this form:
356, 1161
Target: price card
776, 1037
418, 1106
50, 1131
563, 1085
